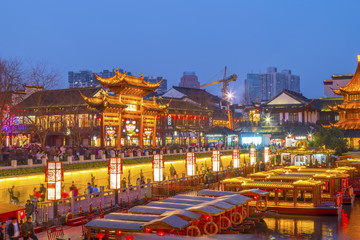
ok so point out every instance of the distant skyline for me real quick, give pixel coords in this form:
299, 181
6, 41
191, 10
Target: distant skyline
315, 39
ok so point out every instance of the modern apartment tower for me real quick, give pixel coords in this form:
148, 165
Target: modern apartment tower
265, 86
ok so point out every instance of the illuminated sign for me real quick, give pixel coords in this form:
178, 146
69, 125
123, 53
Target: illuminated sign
210, 121
54, 175
158, 165
148, 131
300, 137
115, 168
266, 154
251, 140
252, 154
190, 163
236, 158
169, 119
216, 159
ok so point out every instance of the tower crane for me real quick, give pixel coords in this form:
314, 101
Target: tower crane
225, 84
225, 92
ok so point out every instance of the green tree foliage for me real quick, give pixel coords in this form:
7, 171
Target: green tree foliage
332, 138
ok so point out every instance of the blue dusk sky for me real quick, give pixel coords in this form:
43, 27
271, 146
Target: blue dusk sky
315, 39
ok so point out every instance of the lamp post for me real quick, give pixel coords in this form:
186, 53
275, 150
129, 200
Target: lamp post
252, 154
158, 165
236, 158
115, 169
190, 163
216, 159
266, 154
54, 175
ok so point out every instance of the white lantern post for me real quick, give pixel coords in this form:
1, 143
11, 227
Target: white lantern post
190, 163
266, 154
216, 159
158, 165
54, 175
115, 169
252, 154
236, 158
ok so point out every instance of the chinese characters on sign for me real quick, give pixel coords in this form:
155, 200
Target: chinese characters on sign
54, 175
190, 163
158, 165
115, 170
236, 158
216, 159
266, 154
252, 154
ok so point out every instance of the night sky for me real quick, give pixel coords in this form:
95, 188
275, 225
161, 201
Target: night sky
315, 39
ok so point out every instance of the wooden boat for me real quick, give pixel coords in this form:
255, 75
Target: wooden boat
335, 181
300, 197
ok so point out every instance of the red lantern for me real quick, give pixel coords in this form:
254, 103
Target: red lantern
100, 235
256, 197
147, 230
161, 233
129, 237
22, 214
207, 217
119, 232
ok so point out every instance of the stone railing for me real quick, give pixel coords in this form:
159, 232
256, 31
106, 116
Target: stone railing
91, 204
70, 160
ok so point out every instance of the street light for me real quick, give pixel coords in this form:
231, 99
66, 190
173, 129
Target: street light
190, 163
236, 158
115, 169
216, 159
54, 175
158, 165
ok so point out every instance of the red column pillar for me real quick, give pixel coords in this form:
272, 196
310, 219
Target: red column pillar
102, 131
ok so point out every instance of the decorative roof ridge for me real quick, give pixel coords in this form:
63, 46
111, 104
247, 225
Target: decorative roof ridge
354, 84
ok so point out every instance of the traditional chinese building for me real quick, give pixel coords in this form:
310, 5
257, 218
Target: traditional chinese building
349, 110
126, 117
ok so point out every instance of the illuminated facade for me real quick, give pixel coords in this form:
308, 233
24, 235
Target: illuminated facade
349, 110
126, 118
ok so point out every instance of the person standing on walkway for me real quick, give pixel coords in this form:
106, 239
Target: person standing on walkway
28, 230
2, 231
29, 208
42, 192
89, 189
14, 229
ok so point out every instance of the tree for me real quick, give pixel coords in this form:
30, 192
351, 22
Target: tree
332, 138
41, 75
11, 73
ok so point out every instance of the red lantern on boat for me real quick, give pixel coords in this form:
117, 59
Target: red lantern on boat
161, 233
100, 236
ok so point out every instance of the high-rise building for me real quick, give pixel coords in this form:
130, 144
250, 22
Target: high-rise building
189, 80
336, 80
265, 86
163, 86
86, 78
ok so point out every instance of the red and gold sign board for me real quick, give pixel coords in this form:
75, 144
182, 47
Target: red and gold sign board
236, 158
216, 159
54, 175
158, 165
190, 163
115, 168
253, 155
266, 154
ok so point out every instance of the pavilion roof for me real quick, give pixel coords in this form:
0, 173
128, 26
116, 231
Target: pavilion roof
353, 85
347, 124
103, 100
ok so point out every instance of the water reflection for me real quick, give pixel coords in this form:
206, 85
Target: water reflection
346, 226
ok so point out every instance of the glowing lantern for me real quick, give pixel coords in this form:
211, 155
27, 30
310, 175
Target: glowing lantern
129, 237
119, 232
148, 230
54, 175
100, 235
158, 165
22, 215
115, 170
216, 159
252, 154
161, 233
236, 158
190, 163
266, 154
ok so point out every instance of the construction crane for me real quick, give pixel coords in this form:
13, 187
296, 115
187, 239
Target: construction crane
225, 94
225, 84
